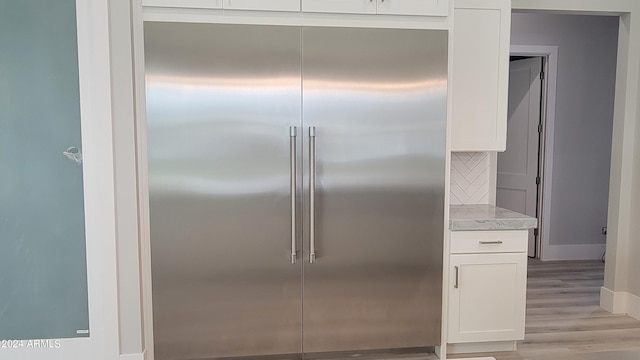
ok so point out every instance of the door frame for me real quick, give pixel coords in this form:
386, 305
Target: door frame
547, 251
613, 295
549, 54
98, 171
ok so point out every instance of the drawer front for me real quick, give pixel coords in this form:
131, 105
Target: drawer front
475, 242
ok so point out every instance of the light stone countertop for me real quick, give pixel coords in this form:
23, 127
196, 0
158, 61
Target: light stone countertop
487, 217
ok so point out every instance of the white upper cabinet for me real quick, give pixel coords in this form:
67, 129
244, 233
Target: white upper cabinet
414, 7
480, 75
383, 7
371, 7
201, 4
340, 6
268, 5
260, 5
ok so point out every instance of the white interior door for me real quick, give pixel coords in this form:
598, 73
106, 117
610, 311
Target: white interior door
518, 165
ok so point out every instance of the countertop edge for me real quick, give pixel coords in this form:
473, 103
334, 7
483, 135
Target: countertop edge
488, 217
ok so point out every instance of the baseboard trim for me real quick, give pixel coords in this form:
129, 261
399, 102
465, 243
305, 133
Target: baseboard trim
633, 306
573, 252
140, 356
620, 302
613, 302
494, 346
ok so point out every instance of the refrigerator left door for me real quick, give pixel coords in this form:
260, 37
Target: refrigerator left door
221, 104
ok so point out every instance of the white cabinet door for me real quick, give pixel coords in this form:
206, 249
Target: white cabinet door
481, 33
269, 5
202, 4
340, 6
487, 297
414, 7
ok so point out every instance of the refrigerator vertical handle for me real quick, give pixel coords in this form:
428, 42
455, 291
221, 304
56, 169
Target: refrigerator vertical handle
312, 194
292, 149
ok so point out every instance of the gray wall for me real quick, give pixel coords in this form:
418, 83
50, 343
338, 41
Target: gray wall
587, 53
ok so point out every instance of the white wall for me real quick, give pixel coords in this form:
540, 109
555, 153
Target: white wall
587, 52
621, 290
633, 280
124, 137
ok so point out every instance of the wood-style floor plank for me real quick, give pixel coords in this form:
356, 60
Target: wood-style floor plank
564, 319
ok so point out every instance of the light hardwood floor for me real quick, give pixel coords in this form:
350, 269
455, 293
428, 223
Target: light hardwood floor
564, 318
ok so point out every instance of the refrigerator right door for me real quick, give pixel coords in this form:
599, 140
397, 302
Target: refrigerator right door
374, 113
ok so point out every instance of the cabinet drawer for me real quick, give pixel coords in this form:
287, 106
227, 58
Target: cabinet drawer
503, 241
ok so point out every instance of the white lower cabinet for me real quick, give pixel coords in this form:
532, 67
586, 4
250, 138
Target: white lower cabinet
487, 291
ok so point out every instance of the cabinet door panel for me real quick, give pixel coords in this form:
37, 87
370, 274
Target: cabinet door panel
271, 5
480, 75
340, 6
488, 303
414, 7
202, 4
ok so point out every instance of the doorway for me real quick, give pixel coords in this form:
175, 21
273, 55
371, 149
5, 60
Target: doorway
577, 55
578, 87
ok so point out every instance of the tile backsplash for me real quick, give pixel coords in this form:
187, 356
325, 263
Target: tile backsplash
470, 178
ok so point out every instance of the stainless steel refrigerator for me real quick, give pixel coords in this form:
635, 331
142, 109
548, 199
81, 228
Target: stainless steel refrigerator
296, 180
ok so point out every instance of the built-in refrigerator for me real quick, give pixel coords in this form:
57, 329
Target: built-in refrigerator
296, 179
